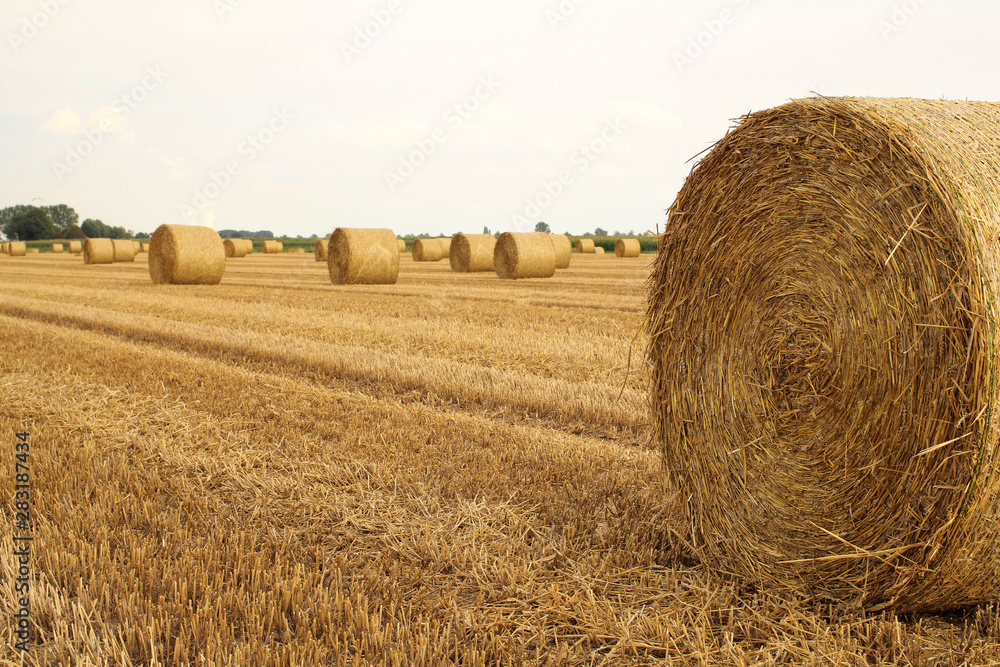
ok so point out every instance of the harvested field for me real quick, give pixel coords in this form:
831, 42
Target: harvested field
450, 470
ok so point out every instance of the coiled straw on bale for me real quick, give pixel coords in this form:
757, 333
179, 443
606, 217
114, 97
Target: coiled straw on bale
530, 255
186, 255
272, 247
628, 248
470, 253
124, 250
57, 248
320, 250
75, 247
363, 257
98, 251
234, 248
585, 246
563, 247
823, 316
430, 250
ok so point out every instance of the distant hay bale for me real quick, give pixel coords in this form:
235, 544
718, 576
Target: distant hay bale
823, 321
563, 247
76, 247
32, 251
272, 247
186, 255
471, 253
249, 245
141, 247
529, 255
402, 245
430, 250
363, 257
599, 251
98, 251
320, 249
234, 248
628, 248
124, 250
138, 247
585, 246
57, 248
297, 251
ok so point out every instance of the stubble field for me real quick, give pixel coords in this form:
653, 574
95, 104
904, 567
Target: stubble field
450, 470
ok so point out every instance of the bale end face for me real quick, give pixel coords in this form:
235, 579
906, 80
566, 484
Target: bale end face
628, 248
470, 253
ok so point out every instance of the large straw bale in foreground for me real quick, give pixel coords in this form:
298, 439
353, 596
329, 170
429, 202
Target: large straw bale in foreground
563, 247
234, 248
823, 317
363, 256
124, 250
76, 247
471, 253
272, 247
98, 251
320, 249
430, 250
186, 255
585, 246
628, 248
530, 255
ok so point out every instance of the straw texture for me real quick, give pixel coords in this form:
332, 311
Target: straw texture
235, 248
186, 255
563, 247
470, 253
272, 247
98, 251
363, 257
18, 249
57, 248
627, 248
529, 255
124, 250
430, 250
599, 251
249, 245
585, 246
75, 247
823, 317
320, 249
402, 245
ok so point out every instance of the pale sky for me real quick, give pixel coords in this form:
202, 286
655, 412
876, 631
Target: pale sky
448, 116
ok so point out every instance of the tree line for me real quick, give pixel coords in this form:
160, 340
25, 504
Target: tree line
39, 223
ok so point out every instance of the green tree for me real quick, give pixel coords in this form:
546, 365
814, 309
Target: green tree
7, 214
543, 227
31, 225
600, 232
62, 216
95, 229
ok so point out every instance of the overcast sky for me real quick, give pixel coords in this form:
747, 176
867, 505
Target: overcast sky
432, 116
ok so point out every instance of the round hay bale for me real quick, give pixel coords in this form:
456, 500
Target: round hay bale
235, 248
76, 247
320, 249
186, 255
530, 255
429, 250
585, 246
402, 245
18, 249
297, 251
470, 253
33, 251
98, 251
363, 257
822, 318
272, 247
628, 248
599, 251
249, 245
138, 246
57, 248
124, 250
564, 250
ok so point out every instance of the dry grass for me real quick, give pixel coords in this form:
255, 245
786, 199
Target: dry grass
256, 473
